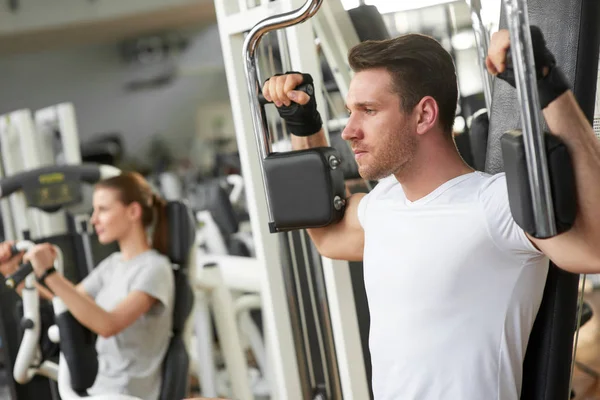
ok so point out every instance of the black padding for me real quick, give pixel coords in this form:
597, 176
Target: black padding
105, 148
302, 187
210, 196
175, 367
77, 344
478, 136
547, 365
184, 301
572, 35
182, 232
368, 23
562, 182
238, 248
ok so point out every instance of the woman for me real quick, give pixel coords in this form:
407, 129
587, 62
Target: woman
128, 299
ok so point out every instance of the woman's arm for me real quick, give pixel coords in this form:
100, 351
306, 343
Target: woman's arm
9, 265
82, 307
88, 313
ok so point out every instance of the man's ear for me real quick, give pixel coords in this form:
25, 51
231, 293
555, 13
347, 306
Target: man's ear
427, 114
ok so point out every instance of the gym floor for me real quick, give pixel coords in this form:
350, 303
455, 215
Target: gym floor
588, 353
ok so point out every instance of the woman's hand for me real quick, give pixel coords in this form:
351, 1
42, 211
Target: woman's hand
8, 264
41, 257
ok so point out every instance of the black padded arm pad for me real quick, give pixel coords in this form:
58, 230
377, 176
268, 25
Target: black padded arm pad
562, 182
77, 344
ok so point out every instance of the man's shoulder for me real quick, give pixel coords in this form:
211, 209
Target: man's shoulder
492, 186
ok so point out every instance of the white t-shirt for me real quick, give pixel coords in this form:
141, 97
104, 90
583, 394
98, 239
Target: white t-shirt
453, 286
130, 362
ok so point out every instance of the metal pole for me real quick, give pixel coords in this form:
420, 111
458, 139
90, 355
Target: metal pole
259, 121
482, 39
535, 149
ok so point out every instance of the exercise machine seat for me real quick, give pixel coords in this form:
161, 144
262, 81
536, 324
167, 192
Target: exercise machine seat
182, 232
572, 34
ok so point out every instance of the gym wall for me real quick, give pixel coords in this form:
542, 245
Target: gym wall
94, 79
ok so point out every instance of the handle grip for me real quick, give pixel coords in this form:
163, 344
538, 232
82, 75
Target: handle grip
12, 281
14, 250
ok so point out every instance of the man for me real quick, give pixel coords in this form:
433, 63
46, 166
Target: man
453, 283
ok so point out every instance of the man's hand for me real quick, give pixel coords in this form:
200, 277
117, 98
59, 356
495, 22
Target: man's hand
495, 61
280, 90
297, 108
550, 80
498, 52
41, 257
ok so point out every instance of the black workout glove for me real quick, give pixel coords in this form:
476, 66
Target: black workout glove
302, 120
554, 83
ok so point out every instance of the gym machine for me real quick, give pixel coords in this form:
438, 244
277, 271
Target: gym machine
533, 189
46, 189
29, 141
227, 286
310, 312
51, 189
539, 170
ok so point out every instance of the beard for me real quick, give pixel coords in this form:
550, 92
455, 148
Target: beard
393, 155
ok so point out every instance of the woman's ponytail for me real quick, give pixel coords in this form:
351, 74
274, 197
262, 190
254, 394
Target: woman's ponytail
160, 237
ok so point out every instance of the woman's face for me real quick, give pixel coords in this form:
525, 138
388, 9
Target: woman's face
112, 219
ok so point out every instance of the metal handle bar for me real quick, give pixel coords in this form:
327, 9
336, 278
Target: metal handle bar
526, 81
249, 53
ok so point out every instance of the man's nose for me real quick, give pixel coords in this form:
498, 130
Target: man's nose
351, 129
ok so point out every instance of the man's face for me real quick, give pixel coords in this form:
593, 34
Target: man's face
381, 134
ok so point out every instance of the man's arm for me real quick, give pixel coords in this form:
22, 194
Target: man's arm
577, 250
345, 239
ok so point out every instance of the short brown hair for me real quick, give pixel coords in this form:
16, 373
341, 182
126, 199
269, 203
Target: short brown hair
419, 67
134, 188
